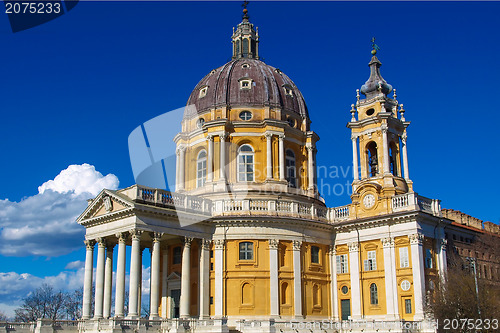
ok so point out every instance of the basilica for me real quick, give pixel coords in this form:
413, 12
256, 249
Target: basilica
246, 242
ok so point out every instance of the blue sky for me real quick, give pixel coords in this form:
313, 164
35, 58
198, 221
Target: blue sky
73, 89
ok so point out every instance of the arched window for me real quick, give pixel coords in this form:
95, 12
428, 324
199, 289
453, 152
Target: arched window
373, 294
245, 164
245, 47
393, 159
246, 293
291, 175
372, 158
316, 295
201, 168
284, 292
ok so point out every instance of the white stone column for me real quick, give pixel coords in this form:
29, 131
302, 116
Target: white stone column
155, 276
297, 279
281, 147
417, 262
164, 283
390, 288
355, 282
395, 283
204, 279
310, 166
210, 159
333, 289
222, 144
269, 160
182, 167
385, 150
185, 279
87, 282
139, 294
99, 278
219, 277
273, 278
355, 171
120, 275
108, 281
177, 168
405, 156
135, 273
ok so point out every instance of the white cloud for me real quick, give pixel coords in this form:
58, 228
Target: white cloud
80, 179
34, 225
75, 264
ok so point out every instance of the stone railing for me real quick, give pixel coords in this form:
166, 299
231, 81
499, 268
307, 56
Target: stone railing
284, 208
174, 200
413, 201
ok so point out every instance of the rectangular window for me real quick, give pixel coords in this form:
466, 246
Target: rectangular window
315, 254
371, 262
407, 306
342, 264
246, 251
245, 168
403, 257
177, 257
428, 259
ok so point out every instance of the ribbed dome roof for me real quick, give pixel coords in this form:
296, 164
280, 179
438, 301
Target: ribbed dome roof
268, 87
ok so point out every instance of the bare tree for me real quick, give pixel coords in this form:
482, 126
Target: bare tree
3, 317
457, 298
44, 302
73, 304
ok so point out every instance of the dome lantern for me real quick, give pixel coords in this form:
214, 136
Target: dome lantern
245, 38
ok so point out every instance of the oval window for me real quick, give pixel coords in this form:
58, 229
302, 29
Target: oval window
291, 121
345, 290
245, 115
200, 123
370, 112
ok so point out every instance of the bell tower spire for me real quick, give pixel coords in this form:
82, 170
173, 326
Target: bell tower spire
379, 137
245, 38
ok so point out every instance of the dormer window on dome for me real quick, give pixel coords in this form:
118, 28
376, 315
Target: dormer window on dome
203, 92
288, 90
245, 83
245, 65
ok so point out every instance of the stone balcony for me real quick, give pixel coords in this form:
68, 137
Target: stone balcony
269, 207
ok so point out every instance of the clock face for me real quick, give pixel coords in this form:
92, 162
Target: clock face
369, 200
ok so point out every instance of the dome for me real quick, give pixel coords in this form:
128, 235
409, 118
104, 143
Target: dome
246, 82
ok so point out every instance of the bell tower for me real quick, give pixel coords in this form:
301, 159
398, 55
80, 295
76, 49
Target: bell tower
378, 133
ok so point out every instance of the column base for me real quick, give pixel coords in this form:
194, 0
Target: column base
154, 317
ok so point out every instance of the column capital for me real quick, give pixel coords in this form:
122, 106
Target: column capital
135, 234
332, 251
89, 244
388, 242
443, 243
273, 244
268, 135
155, 236
416, 238
297, 244
353, 247
281, 136
205, 244
187, 241
311, 149
219, 244
223, 136
180, 150
354, 137
122, 237
101, 242
210, 137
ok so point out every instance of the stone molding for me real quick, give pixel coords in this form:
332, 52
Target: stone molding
297, 244
353, 247
219, 244
388, 242
416, 238
273, 244
89, 244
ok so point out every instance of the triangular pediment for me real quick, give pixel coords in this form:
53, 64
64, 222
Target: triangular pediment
105, 203
173, 276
